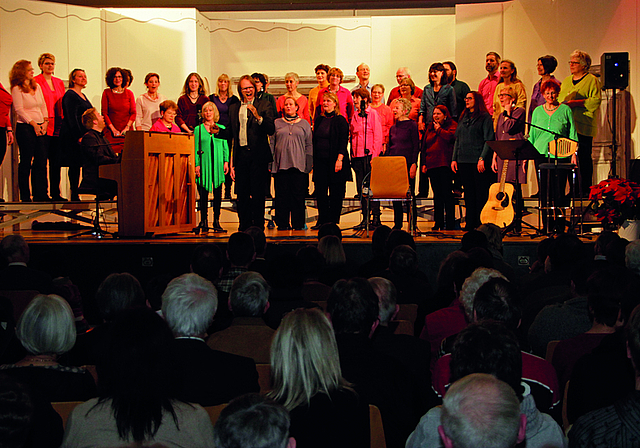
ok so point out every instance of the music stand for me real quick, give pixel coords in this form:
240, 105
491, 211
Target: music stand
518, 150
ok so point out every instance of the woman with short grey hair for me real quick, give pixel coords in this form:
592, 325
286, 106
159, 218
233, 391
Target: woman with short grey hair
46, 330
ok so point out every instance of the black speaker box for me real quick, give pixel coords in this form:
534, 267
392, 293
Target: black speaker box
614, 68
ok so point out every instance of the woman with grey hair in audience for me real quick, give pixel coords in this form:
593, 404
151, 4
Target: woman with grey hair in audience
307, 380
46, 330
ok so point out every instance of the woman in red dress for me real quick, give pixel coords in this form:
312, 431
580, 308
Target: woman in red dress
118, 107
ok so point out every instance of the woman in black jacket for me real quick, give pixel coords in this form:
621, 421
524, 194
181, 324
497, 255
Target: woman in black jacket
331, 166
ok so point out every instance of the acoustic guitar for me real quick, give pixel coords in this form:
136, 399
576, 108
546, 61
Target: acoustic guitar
499, 207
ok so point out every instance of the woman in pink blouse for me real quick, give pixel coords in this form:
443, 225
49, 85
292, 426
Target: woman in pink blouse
53, 91
6, 132
384, 112
32, 122
118, 107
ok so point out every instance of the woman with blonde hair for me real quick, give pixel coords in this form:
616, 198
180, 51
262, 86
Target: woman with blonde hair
508, 77
307, 380
223, 99
212, 164
31, 130
291, 81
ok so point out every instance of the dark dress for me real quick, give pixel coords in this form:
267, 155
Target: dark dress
54, 383
97, 151
330, 139
338, 421
188, 111
404, 141
73, 106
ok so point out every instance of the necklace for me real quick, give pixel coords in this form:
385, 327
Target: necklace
194, 97
550, 109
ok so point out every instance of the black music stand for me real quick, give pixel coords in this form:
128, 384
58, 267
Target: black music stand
517, 150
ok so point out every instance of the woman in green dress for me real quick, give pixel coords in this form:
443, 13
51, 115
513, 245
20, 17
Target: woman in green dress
212, 163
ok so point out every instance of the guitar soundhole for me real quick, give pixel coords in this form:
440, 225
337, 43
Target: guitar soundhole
505, 200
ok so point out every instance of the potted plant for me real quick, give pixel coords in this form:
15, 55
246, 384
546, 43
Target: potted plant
616, 204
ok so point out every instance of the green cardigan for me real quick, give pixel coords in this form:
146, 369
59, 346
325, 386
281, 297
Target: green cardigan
215, 151
561, 122
588, 89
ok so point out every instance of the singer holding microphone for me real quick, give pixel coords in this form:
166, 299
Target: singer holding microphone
366, 143
190, 103
510, 126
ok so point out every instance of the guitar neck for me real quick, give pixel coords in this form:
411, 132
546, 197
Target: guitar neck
503, 176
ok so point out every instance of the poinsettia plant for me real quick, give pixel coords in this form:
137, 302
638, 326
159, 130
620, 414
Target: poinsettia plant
615, 200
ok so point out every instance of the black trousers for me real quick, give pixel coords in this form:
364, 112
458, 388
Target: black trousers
476, 191
3, 144
329, 191
251, 179
33, 163
585, 143
291, 189
399, 207
443, 204
362, 167
203, 204
54, 154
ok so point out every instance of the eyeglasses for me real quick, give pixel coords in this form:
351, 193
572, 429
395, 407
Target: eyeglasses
247, 88
468, 98
573, 63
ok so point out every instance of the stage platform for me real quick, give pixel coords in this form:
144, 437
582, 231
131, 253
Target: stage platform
154, 261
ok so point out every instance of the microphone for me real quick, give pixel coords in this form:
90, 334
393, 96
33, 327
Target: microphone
506, 114
199, 112
363, 107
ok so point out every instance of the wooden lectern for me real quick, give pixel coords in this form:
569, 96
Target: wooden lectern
156, 184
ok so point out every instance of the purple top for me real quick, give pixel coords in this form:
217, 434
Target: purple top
223, 108
537, 98
404, 141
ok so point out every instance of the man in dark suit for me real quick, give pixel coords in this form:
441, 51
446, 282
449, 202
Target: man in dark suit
252, 121
97, 151
205, 376
17, 276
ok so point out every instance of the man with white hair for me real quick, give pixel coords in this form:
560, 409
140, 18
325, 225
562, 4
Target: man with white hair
207, 377
632, 257
402, 73
480, 410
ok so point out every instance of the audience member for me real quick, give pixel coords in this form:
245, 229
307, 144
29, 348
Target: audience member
335, 266
46, 330
17, 275
136, 402
207, 262
616, 425
377, 378
329, 228
248, 334
494, 246
378, 261
253, 420
207, 377
481, 410
497, 300
490, 348
259, 263
240, 252
411, 352
18, 419
632, 257
307, 380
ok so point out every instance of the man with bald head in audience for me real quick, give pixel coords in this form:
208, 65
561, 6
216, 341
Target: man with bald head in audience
17, 275
207, 377
402, 73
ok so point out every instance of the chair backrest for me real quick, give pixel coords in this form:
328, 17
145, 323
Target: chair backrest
264, 377
407, 311
551, 347
19, 300
403, 327
564, 148
214, 412
376, 428
64, 408
389, 177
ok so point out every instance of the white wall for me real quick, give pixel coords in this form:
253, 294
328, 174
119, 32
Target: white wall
174, 42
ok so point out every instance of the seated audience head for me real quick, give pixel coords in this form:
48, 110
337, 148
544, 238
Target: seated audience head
379, 239
387, 299
16, 413
488, 347
494, 236
253, 420
189, 304
403, 261
397, 238
472, 239
309, 263
604, 239
329, 228
240, 249
632, 256
119, 292
618, 288
479, 410
304, 359
46, 326
15, 248
615, 252
448, 272
207, 261
353, 307
136, 375
249, 295
471, 285
259, 239
331, 249
498, 300
565, 253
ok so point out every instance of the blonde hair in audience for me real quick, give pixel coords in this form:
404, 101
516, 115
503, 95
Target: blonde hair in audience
304, 359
